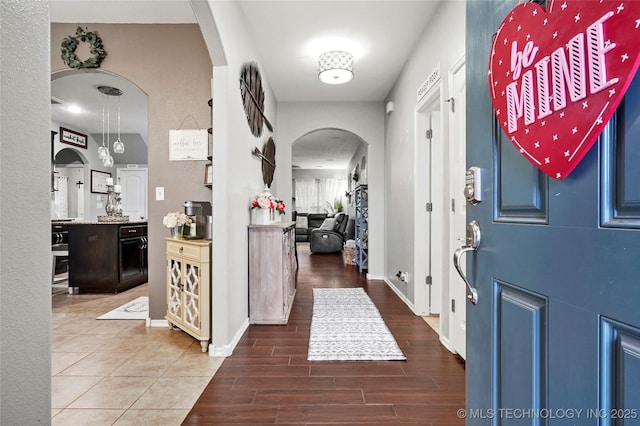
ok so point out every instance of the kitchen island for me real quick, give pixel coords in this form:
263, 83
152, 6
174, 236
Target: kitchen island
105, 257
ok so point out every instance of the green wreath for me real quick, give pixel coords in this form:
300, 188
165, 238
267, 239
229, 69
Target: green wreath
70, 44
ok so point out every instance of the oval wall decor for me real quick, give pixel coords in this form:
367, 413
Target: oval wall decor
556, 76
253, 98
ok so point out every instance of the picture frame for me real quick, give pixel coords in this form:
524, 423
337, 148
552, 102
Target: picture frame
99, 182
71, 137
208, 174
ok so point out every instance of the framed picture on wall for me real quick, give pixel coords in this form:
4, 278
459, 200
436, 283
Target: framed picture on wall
99, 182
208, 174
72, 137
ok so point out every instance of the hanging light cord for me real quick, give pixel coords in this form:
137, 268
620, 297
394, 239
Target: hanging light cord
118, 117
104, 102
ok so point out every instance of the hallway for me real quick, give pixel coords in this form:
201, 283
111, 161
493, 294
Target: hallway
268, 379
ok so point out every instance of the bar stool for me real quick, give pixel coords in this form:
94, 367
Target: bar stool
59, 250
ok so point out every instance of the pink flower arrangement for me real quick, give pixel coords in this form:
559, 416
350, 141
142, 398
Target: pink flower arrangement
280, 206
268, 201
263, 201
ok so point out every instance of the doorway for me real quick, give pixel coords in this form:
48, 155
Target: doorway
134, 192
428, 213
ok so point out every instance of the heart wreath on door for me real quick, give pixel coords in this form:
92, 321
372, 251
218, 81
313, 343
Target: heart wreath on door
556, 76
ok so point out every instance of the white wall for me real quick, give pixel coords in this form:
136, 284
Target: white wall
364, 119
442, 44
237, 174
91, 162
25, 228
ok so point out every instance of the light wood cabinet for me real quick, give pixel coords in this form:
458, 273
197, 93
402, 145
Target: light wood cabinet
272, 272
189, 287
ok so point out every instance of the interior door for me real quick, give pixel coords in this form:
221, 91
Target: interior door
458, 210
134, 192
556, 328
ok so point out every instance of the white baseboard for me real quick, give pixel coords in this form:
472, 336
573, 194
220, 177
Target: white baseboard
227, 350
401, 296
445, 342
157, 323
375, 277
221, 351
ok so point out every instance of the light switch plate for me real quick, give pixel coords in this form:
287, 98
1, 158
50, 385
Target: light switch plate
159, 193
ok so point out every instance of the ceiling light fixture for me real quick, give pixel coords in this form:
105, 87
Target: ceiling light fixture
74, 109
335, 67
118, 146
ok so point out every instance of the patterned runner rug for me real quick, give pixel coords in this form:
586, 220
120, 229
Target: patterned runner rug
135, 309
346, 326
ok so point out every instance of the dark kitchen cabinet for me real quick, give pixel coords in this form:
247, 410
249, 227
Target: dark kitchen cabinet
107, 258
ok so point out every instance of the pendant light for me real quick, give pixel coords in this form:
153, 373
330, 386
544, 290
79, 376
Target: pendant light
103, 151
118, 146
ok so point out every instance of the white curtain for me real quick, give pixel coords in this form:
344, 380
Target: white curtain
60, 206
306, 195
318, 195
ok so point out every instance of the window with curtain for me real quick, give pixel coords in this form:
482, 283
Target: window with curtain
318, 195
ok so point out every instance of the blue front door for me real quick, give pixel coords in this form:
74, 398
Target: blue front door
555, 335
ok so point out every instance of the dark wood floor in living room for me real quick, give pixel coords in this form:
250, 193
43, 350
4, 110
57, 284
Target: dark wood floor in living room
268, 379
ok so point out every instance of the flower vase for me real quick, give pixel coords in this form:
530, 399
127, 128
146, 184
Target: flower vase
260, 216
279, 217
176, 232
272, 215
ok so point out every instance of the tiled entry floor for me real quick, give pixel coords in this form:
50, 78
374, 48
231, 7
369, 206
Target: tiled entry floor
120, 372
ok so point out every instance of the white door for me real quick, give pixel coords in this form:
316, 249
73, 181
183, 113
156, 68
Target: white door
457, 211
428, 207
134, 192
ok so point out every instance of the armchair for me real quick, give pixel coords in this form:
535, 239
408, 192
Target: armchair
329, 237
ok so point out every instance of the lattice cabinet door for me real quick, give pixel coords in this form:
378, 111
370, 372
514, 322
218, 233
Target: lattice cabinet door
191, 297
174, 289
189, 287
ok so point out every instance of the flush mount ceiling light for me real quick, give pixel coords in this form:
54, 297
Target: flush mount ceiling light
335, 67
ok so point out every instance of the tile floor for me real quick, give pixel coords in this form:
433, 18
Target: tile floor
120, 372
433, 321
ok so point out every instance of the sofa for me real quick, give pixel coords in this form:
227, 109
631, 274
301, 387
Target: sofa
305, 223
330, 236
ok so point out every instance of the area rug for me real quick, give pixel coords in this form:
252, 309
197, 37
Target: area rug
347, 326
136, 309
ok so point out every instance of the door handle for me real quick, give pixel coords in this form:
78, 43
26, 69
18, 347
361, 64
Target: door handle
472, 243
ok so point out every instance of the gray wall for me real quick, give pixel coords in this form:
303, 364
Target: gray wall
25, 298
171, 65
442, 44
364, 119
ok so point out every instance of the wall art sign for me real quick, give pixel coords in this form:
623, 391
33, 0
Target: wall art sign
188, 144
72, 137
556, 76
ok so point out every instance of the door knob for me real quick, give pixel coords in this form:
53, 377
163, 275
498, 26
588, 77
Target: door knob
472, 242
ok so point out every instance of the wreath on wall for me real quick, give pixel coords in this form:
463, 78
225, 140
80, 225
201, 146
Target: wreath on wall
70, 44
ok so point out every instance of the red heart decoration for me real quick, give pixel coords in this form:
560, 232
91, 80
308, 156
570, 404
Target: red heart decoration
557, 76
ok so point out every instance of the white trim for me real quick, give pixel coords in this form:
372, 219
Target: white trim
375, 277
227, 350
454, 285
445, 342
428, 188
402, 297
431, 81
157, 323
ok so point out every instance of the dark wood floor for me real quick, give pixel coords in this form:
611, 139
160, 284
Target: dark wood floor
268, 379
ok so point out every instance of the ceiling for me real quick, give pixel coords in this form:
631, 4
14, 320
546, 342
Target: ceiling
289, 35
